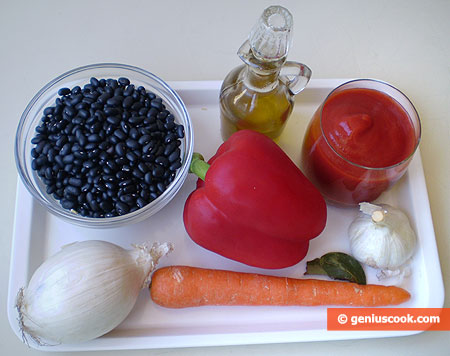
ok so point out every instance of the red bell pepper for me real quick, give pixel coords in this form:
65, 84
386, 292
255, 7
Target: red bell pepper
253, 204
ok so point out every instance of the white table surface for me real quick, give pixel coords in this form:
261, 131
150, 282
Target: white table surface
404, 42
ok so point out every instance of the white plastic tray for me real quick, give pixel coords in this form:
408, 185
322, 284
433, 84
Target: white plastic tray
37, 235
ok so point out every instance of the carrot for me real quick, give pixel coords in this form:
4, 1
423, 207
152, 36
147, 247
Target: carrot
183, 286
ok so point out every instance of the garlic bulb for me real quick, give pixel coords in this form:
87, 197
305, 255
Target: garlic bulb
85, 290
382, 236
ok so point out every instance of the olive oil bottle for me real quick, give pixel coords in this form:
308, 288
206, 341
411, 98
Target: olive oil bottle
259, 95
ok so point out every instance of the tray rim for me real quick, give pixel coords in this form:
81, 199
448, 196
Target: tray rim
20, 250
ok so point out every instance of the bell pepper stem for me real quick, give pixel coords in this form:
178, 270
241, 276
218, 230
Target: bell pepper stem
198, 166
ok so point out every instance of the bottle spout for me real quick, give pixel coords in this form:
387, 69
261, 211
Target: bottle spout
271, 37
267, 47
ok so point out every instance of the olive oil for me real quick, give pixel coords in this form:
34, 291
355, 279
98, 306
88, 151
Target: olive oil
259, 95
244, 106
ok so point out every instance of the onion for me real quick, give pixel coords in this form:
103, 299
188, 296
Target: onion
85, 290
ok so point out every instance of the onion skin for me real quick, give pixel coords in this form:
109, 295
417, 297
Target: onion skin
84, 291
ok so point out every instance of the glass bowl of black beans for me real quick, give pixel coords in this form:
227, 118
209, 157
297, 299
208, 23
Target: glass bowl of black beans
104, 145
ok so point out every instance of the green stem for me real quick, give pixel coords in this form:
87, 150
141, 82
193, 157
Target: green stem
198, 166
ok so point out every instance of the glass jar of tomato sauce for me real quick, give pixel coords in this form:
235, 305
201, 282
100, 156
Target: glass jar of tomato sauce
360, 141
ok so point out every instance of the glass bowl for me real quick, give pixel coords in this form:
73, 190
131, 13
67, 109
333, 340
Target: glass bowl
81, 76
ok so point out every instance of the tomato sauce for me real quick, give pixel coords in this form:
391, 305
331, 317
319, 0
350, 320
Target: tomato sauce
357, 145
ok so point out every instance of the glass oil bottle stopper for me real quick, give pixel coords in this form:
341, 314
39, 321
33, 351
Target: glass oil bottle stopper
259, 94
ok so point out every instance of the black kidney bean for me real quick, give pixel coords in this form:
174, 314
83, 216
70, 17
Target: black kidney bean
128, 101
63, 91
169, 126
94, 205
76, 182
142, 166
65, 150
134, 134
51, 189
71, 190
136, 120
161, 186
157, 104
94, 82
123, 81
122, 208
67, 159
106, 206
94, 138
144, 140
175, 155
111, 111
115, 120
140, 202
168, 149
125, 127
180, 131
157, 171
175, 165
51, 154
67, 204
59, 142
137, 174
133, 144
114, 101
131, 157
75, 99
162, 160
170, 137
